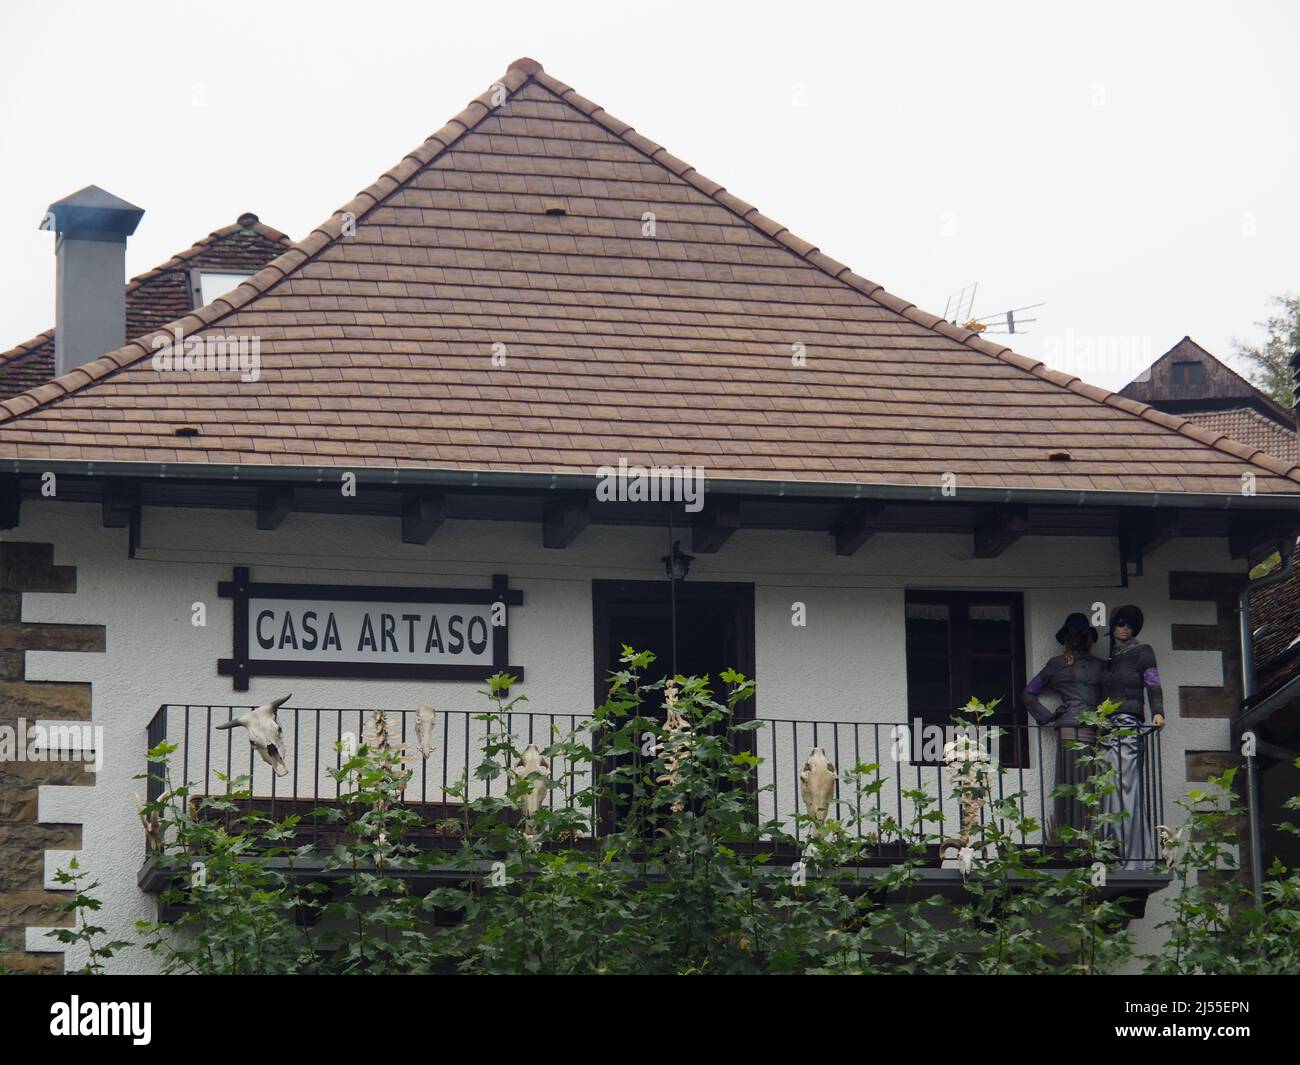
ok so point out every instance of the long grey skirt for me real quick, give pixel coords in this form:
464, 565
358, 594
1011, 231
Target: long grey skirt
1127, 755
1070, 769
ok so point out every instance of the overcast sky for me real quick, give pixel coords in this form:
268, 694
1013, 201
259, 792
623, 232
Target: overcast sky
1133, 166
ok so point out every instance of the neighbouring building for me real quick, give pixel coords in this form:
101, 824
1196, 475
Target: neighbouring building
452, 370
1187, 380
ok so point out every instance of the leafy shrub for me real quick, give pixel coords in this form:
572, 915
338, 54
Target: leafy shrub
648, 855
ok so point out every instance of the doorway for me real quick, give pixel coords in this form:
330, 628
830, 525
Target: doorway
715, 631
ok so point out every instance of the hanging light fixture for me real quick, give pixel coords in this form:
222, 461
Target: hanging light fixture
677, 564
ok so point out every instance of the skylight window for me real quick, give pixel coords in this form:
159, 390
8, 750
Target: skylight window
210, 285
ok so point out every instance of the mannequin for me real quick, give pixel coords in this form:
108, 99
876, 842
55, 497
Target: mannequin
1075, 677
1132, 680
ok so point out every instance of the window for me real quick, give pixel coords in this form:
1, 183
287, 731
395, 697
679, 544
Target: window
962, 645
1188, 373
209, 285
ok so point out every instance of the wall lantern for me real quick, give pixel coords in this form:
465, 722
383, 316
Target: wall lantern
678, 564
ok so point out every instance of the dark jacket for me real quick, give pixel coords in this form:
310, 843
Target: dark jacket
1077, 684
1130, 672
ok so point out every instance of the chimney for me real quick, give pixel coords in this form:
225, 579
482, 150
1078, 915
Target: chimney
90, 227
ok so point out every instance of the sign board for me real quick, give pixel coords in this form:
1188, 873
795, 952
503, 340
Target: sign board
346, 630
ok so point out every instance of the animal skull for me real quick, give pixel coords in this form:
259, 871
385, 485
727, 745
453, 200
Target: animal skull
817, 784
265, 733
532, 767
1170, 843
426, 721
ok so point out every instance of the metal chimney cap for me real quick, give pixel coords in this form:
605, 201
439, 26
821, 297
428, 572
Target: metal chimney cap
93, 214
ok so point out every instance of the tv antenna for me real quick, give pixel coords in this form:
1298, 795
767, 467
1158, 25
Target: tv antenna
1011, 322
957, 309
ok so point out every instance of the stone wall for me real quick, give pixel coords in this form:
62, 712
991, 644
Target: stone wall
1213, 702
24, 901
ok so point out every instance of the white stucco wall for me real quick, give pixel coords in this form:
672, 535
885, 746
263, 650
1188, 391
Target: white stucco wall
847, 664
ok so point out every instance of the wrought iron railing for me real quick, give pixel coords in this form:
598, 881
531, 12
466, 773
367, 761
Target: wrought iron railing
901, 761
907, 758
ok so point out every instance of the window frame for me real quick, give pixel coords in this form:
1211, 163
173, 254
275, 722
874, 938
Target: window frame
1187, 373
1015, 746
196, 283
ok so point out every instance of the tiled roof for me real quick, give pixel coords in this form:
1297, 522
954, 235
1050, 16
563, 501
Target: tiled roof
522, 229
157, 297
1252, 429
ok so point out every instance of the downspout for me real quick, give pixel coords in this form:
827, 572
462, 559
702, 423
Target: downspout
1286, 550
672, 589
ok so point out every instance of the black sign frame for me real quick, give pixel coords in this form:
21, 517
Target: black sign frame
242, 667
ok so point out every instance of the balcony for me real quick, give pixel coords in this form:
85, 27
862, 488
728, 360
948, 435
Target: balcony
876, 806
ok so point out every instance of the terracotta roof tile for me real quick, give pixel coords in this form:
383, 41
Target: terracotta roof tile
377, 348
1251, 428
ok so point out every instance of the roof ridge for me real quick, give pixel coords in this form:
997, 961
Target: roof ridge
26, 347
518, 74
204, 243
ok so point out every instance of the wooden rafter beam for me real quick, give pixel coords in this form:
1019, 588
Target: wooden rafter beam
11, 501
854, 526
422, 513
997, 528
1142, 532
121, 509
121, 501
563, 518
715, 526
274, 502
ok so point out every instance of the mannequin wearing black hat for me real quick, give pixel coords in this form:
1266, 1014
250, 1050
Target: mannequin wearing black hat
1132, 680
1074, 676
1132, 669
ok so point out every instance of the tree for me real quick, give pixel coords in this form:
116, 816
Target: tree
1269, 370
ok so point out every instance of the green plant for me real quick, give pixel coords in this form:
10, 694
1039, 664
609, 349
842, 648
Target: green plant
234, 907
79, 907
633, 844
372, 922
1039, 919
529, 900
1273, 932
1214, 926
1205, 909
